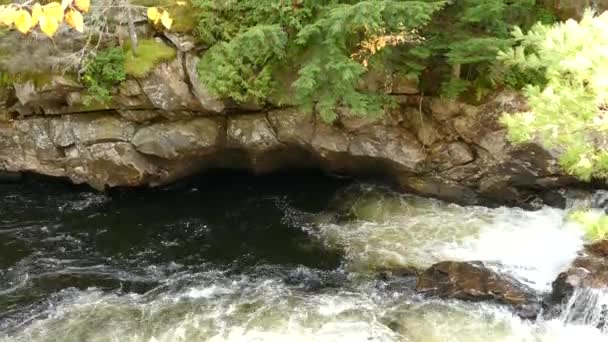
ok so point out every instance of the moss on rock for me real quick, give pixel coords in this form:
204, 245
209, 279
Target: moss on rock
149, 53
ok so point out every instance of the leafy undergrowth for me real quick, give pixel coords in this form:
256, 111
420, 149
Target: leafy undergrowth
594, 222
102, 72
149, 53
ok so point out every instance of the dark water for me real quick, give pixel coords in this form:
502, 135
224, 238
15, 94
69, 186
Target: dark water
55, 237
235, 258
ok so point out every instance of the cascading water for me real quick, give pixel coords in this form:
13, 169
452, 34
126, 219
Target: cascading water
250, 260
393, 230
588, 307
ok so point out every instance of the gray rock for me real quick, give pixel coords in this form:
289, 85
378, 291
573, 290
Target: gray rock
89, 129
207, 101
292, 127
399, 147
140, 116
432, 147
108, 165
251, 133
444, 109
183, 43
168, 88
179, 139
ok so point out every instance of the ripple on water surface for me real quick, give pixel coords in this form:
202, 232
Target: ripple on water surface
221, 308
218, 263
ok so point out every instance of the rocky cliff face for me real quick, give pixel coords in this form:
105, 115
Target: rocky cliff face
167, 126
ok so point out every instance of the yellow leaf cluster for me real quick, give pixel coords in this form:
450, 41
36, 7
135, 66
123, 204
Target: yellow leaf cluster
52, 16
380, 40
23, 21
36, 14
47, 17
7, 15
159, 15
75, 20
83, 5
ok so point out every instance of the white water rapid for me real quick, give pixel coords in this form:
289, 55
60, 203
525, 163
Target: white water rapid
374, 229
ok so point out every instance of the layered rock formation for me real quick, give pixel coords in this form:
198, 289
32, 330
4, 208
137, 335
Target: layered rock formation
167, 126
159, 132
161, 128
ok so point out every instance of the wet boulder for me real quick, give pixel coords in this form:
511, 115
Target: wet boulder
472, 281
590, 270
580, 295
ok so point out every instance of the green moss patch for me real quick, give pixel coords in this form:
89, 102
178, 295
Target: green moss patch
39, 79
149, 53
595, 224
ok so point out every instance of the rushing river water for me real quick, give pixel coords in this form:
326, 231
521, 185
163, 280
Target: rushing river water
266, 259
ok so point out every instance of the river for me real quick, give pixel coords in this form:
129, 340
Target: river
277, 258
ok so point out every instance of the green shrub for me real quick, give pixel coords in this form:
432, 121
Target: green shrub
244, 64
318, 41
314, 40
595, 224
149, 53
102, 72
568, 110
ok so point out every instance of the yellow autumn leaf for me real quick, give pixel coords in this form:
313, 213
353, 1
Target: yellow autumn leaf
48, 25
153, 14
53, 12
75, 20
66, 3
83, 5
7, 15
23, 21
36, 13
166, 20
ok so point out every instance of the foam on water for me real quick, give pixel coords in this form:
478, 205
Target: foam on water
587, 307
533, 246
244, 309
375, 228
390, 230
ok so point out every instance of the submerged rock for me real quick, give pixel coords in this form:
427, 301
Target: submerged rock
472, 281
314, 280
